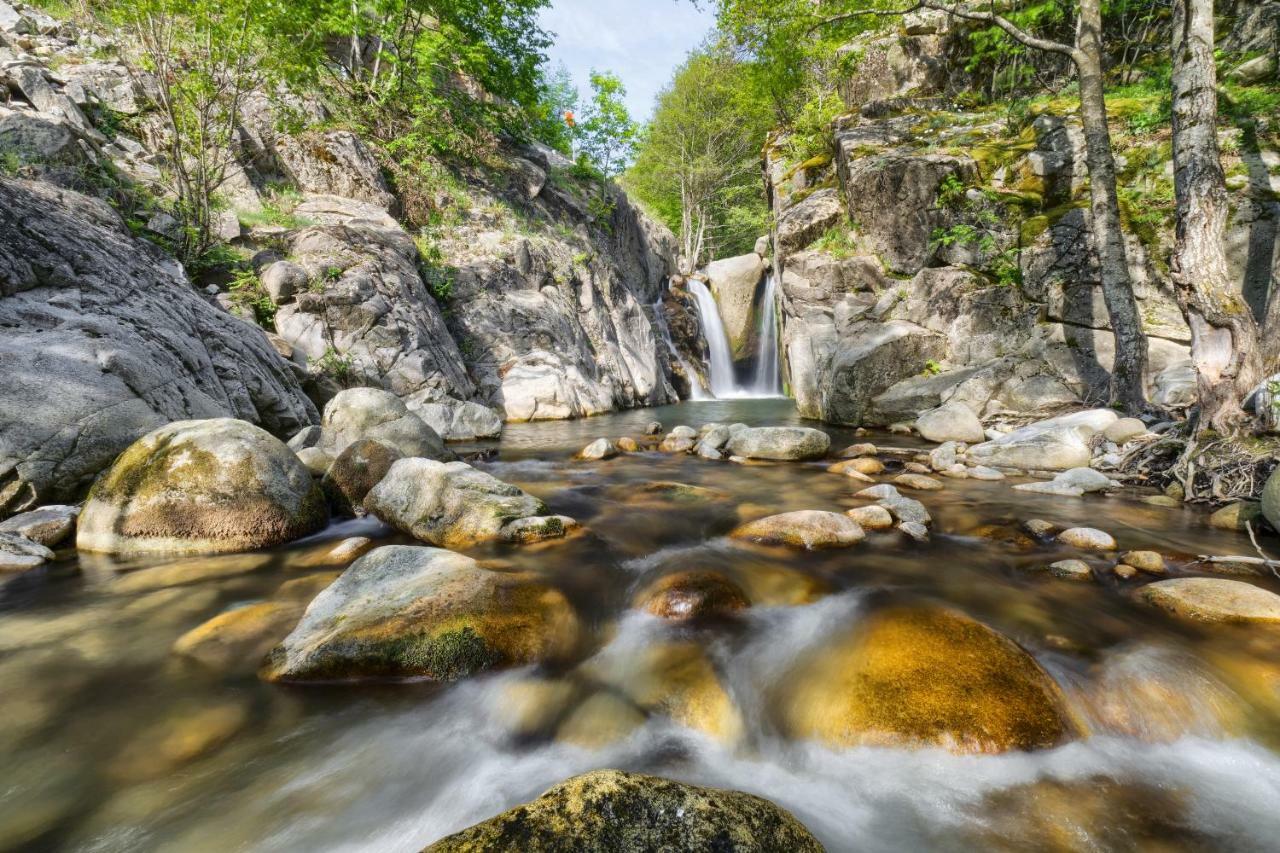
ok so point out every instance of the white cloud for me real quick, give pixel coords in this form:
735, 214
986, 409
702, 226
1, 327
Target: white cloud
642, 41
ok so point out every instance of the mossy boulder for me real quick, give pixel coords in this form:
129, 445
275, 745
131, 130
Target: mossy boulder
379, 415
355, 472
412, 612
921, 675
629, 813
453, 505
209, 486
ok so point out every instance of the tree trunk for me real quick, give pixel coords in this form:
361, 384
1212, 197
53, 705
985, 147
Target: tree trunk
1225, 345
1127, 390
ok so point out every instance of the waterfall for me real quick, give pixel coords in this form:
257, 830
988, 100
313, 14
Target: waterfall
721, 367
767, 382
696, 391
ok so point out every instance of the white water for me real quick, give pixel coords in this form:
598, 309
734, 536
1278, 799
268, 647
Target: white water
767, 382
696, 389
720, 368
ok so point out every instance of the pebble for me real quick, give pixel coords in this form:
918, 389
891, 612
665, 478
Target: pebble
1088, 539
1125, 572
1073, 570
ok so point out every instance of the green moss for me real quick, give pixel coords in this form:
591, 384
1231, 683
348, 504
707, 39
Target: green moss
1037, 225
446, 656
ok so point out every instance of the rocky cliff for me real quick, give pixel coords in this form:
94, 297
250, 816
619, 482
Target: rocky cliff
530, 291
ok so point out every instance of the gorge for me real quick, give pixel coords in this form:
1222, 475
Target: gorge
486, 484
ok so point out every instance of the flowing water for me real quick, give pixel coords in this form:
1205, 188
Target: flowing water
767, 382
696, 389
720, 371
108, 742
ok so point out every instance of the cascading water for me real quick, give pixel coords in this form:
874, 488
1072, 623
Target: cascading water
696, 389
720, 369
767, 382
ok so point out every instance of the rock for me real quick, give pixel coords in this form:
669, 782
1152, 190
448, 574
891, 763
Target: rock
804, 529
918, 481
676, 444
853, 451
692, 595
683, 432
1039, 527
451, 504
1175, 386
190, 571
734, 281
919, 676
207, 486
105, 340
316, 460
864, 465
1256, 70
1162, 500
1213, 600
540, 528
1051, 488
282, 279
601, 448
1072, 570
531, 706
1237, 516
1057, 444
804, 222
653, 428
880, 492
18, 553
405, 611
945, 457
239, 638
907, 510
306, 437
918, 468
871, 517
603, 719
370, 413
613, 810
1087, 539
184, 735
627, 444
951, 422
1271, 500
1146, 561
982, 472
1125, 430
1125, 572
865, 365
780, 443
915, 530
1086, 480
455, 420
47, 526
302, 591
354, 474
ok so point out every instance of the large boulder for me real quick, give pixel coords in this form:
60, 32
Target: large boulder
617, 811
454, 506
1214, 600
377, 415
780, 443
350, 477
920, 675
951, 422
870, 362
105, 340
1271, 500
456, 420
1057, 444
201, 487
734, 282
410, 612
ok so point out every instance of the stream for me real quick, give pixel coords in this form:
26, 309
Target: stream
109, 742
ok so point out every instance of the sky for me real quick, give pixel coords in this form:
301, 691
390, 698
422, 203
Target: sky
642, 41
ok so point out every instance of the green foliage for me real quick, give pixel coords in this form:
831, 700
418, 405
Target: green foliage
931, 368
837, 242
335, 364
951, 191
247, 292
557, 99
606, 136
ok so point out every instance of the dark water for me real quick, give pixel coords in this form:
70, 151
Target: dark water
110, 742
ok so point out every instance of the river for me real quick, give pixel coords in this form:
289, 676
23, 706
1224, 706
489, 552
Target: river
108, 742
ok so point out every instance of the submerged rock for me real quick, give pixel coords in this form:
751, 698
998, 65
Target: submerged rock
239, 638
780, 443
453, 505
409, 611
201, 487
867, 466
1213, 600
617, 811
924, 676
920, 482
1236, 517
692, 595
804, 529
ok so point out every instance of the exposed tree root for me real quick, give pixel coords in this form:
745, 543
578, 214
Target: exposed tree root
1209, 468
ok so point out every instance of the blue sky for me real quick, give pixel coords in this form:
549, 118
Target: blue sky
641, 41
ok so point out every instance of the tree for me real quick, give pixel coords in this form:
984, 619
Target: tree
607, 135
556, 108
1225, 344
698, 165
1086, 54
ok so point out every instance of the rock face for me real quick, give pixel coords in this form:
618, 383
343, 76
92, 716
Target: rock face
453, 505
924, 676
376, 415
1214, 600
207, 486
780, 443
402, 611
613, 810
105, 341
733, 282
866, 366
